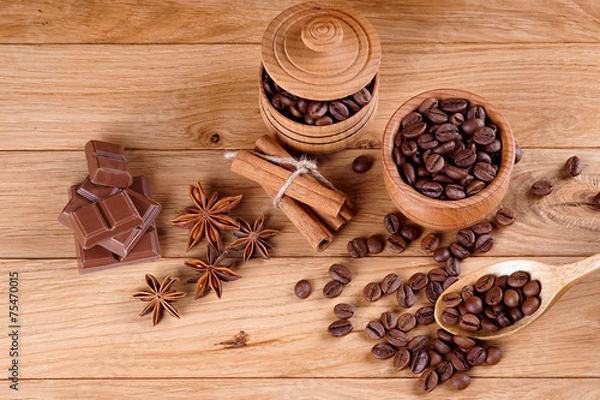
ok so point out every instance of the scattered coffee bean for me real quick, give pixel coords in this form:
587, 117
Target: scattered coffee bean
392, 223
441, 347
494, 355
357, 248
343, 311
332, 289
302, 289
396, 244
518, 154
402, 359
372, 291
405, 296
374, 245
452, 267
425, 316
340, 328
340, 273
484, 243
430, 242
482, 228
445, 370
420, 360
573, 166
459, 361
466, 238
410, 232
542, 187
397, 338
459, 251
362, 164
434, 358
428, 380
433, 290
388, 319
383, 351
460, 380
441, 254
375, 330
406, 322
505, 217
418, 281
390, 283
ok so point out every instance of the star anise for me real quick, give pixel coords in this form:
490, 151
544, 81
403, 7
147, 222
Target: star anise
207, 217
211, 273
159, 298
253, 239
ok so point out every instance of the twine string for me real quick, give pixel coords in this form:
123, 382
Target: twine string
302, 166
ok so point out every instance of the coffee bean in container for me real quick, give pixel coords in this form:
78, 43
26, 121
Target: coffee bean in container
319, 77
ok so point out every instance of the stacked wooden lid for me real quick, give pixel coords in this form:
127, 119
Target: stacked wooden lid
318, 51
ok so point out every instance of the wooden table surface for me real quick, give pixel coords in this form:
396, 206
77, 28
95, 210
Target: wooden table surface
176, 83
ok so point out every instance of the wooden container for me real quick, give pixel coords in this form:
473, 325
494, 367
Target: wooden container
447, 215
318, 51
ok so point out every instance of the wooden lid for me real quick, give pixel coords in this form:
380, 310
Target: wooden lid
320, 52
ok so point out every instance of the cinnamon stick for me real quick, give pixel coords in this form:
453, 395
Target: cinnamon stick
267, 145
309, 226
302, 189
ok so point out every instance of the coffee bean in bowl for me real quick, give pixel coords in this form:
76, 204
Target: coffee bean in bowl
447, 157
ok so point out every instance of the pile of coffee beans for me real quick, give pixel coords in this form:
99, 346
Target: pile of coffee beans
446, 357
493, 302
448, 149
314, 112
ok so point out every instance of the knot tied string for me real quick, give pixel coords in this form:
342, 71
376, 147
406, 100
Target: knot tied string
301, 166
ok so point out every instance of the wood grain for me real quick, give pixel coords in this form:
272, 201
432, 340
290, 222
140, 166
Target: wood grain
300, 389
565, 222
176, 82
56, 330
214, 21
56, 97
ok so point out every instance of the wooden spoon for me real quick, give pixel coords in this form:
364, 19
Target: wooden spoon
555, 281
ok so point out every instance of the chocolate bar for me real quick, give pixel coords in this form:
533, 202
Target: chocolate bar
107, 164
93, 192
104, 219
98, 258
75, 203
122, 243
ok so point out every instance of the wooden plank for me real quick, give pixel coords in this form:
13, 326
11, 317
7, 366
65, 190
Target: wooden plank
306, 388
195, 97
213, 21
563, 222
82, 327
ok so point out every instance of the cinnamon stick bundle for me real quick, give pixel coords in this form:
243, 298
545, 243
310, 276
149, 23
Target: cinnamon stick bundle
268, 145
306, 202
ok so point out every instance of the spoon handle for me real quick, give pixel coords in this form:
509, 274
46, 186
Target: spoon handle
578, 270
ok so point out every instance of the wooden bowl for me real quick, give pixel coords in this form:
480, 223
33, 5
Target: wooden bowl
447, 215
320, 51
